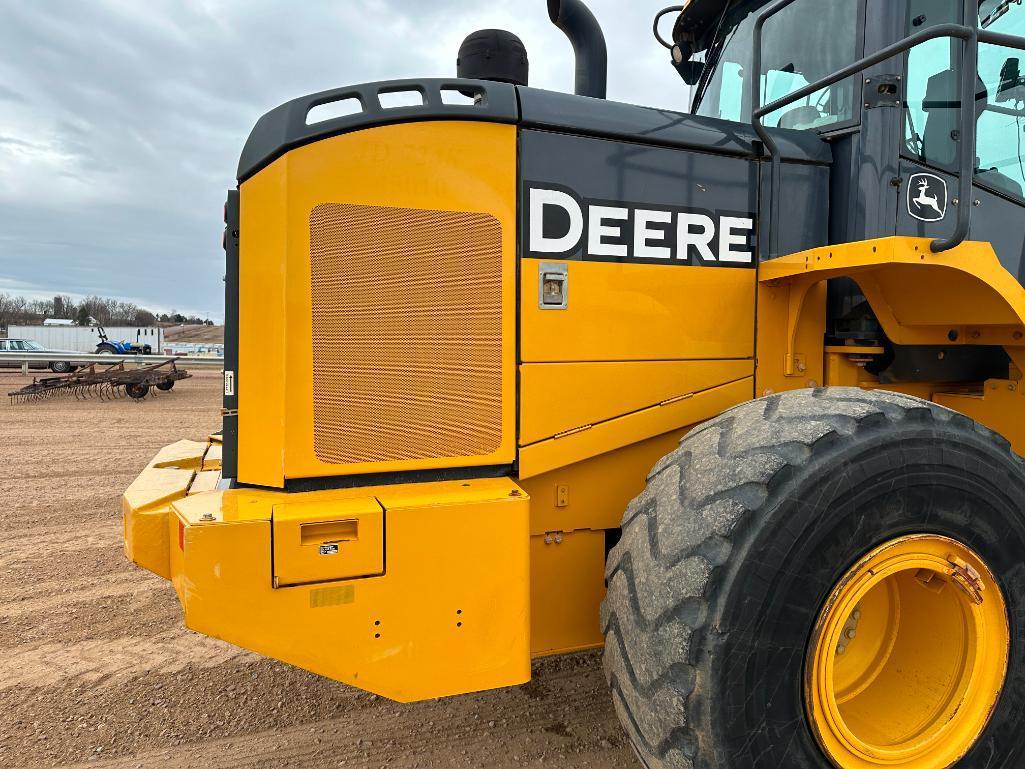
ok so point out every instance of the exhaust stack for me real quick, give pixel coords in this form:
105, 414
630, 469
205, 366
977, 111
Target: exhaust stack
592, 62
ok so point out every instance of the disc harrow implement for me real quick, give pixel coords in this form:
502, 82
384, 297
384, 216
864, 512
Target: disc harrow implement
103, 382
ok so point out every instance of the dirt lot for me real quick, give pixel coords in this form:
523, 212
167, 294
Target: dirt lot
195, 334
97, 670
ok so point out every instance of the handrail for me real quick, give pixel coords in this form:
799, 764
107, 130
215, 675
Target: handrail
971, 37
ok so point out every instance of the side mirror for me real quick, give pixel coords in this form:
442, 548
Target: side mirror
689, 70
1012, 84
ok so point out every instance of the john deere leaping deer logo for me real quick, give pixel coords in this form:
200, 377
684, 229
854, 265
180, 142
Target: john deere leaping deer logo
927, 197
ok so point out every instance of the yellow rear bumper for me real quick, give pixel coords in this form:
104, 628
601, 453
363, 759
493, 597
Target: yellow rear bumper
444, 610
183, 468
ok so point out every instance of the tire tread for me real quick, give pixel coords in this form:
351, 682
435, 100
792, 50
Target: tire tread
682, 528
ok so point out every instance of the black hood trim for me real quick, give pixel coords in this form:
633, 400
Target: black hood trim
284, 128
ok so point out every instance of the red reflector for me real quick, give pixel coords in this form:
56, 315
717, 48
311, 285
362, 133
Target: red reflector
181, 536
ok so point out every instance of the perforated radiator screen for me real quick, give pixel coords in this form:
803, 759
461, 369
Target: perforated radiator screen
407, 333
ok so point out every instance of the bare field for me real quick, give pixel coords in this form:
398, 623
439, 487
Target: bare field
97, 669
195, 334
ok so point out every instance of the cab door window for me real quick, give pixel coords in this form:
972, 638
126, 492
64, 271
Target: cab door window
1001, 123
805, 42
932, 114
800, 44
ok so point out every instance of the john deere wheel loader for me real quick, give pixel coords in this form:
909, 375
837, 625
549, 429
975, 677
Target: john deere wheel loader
784, 332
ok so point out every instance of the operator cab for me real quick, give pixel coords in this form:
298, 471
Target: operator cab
894, 131
811, 39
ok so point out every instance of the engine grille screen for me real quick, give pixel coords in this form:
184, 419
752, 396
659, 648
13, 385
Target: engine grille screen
407, 333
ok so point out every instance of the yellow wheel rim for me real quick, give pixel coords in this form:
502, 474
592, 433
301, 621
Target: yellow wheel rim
908, 657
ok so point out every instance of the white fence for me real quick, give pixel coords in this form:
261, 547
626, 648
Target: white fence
85, 338
193, 348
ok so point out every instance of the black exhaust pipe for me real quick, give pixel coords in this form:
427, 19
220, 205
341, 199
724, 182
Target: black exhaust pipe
592, 59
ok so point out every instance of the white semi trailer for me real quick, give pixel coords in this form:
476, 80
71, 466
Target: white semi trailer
85, 338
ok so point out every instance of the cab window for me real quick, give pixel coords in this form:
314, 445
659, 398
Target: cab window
1002, 121
799, 46
932, 115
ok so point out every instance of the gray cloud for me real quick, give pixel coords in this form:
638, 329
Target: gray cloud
6, 94
121, 122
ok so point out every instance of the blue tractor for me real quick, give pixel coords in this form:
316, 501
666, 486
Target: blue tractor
107, 346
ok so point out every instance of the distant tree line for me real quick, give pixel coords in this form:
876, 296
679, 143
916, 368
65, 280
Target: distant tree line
17, 310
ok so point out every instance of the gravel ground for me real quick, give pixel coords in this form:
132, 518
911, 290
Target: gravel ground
97, 669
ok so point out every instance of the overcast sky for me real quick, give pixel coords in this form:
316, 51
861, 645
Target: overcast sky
121, 121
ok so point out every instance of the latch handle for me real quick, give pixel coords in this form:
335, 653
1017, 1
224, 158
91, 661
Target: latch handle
329, 531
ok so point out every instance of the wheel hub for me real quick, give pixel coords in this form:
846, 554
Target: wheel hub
908, 657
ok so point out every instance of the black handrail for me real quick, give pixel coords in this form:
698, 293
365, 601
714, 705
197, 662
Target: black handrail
971, 38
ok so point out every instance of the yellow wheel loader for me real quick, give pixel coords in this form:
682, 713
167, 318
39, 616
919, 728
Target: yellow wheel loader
736, 393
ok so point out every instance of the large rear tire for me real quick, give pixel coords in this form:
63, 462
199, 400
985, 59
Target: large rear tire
718, 587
